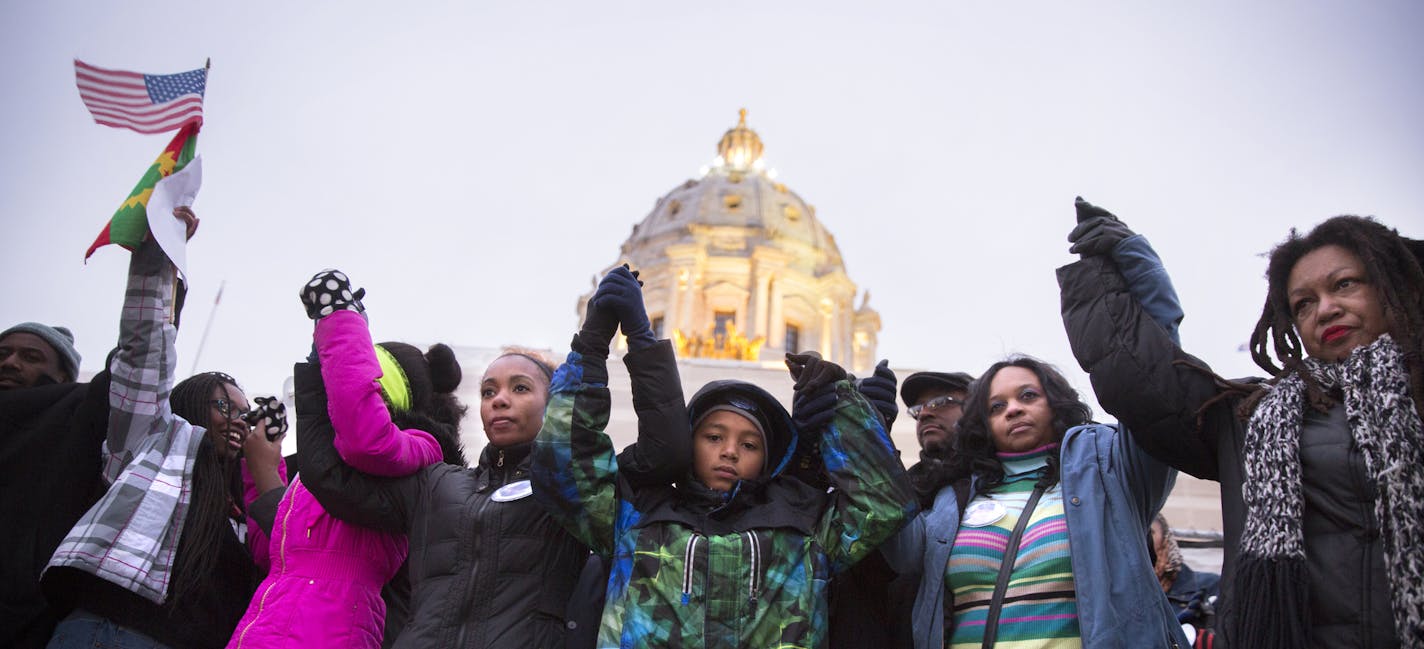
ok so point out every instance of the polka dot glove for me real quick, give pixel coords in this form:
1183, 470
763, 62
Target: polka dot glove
330, 291
272, 411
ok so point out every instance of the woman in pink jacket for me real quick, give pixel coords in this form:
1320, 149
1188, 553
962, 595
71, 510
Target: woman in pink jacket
325, 579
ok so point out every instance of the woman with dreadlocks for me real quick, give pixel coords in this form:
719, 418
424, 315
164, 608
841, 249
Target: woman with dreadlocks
1321, 469
393, 410
156, 562
1035, 538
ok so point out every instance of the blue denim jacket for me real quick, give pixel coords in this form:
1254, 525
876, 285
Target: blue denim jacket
1111, 491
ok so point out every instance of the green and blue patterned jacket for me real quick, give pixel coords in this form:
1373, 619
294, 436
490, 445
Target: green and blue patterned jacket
691, 567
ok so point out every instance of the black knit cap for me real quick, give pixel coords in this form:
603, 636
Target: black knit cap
748, 398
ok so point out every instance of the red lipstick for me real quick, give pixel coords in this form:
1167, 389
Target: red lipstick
1334, 333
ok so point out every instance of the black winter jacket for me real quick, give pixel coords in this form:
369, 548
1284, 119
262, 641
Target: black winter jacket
1130, 359
50, 474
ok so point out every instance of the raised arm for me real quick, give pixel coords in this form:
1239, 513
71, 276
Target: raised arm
662, 453
575, 474
1124, 336
264, 474
871, 494
379, 503
143, 367
366, 437
573, 470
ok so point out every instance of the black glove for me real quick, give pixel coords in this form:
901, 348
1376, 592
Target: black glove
632, 313
328, 292
879, 390
619, 296
1097, 232
274, 412
813, 403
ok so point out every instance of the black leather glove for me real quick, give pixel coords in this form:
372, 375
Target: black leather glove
1097, 232
879, 390
274, 412
328, 292
813, 403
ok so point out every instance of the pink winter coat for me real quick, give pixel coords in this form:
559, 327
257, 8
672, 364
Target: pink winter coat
324, 588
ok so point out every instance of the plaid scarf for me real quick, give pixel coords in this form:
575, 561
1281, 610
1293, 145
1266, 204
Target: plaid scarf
1270, 587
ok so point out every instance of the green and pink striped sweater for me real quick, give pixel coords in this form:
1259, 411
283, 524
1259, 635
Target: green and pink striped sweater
1040, 608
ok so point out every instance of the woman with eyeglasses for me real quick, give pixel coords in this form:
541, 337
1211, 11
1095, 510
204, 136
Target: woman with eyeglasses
394, 412
157, 561
1321, 467
1035, 538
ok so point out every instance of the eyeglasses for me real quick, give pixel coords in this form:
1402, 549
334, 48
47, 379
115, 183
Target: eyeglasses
934, 404
229, 410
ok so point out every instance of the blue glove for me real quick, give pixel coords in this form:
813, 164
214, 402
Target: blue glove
813, 403
328, 292
879, 390
1097, 232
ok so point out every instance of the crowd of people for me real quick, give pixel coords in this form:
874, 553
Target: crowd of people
161, 513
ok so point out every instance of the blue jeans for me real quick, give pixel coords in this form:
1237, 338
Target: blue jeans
85, 630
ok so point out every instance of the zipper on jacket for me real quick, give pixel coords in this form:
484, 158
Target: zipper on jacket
689, 557
754, 584
281, 554
470, 593
499, 462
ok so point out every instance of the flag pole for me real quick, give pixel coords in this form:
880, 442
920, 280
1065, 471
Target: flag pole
212, 314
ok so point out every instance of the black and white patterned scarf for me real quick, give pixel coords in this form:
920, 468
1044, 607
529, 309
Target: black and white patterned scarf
1270, 593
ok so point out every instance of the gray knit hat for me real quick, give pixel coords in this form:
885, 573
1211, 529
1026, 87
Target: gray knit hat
59, 338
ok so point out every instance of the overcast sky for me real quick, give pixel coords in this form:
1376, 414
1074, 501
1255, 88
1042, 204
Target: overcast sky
473, 164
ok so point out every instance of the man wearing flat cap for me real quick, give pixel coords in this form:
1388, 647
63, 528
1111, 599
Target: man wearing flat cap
51, 432
935, 400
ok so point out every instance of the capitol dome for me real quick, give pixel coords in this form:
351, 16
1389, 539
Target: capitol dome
738, 267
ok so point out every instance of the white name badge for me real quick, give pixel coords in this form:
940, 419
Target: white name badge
984, 512
513, 491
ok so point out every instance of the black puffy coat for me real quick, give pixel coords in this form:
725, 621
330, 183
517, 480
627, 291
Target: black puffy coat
1130, 359
50, 474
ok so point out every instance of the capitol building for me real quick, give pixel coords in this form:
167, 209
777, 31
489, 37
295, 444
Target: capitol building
739, 271
739, 268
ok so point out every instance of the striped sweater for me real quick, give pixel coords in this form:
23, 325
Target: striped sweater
1040, 608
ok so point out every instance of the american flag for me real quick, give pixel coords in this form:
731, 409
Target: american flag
147, 103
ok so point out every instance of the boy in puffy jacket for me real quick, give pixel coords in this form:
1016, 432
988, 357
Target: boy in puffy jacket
737, 553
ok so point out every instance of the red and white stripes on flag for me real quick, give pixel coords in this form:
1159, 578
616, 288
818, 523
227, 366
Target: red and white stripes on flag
147, 103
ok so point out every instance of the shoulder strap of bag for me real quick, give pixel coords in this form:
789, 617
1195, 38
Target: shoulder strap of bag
1006, 569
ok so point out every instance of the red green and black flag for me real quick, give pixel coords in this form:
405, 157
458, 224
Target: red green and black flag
130, 223
146, 103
